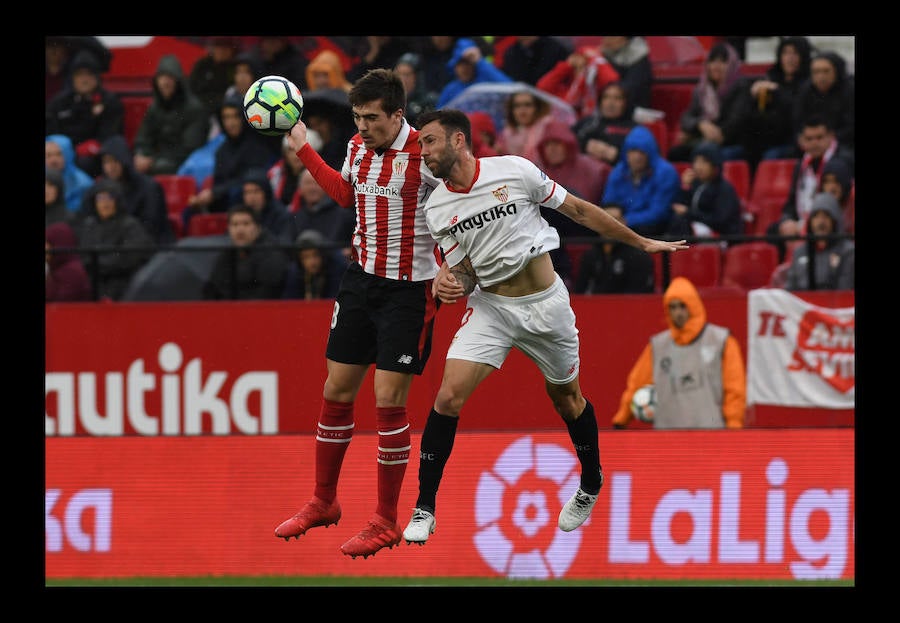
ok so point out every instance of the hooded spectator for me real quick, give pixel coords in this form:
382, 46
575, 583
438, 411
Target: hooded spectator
66, 278
833, 259
59, 154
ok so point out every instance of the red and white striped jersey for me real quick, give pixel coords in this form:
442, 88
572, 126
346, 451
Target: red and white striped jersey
391, 238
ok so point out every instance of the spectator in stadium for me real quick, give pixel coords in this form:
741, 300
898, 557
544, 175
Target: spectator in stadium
837, 179
272, 214
834, 259
718, 108
279, 56
630, 57
818, 145
830, 92
174, 125
435, 52
484, 134
770, 127
247, 69
59, 155
316, 269
55, 210
601, 134
319, 212
66, 279
418, 98
530, 57
213, 73
284, 176
579, 79
468, 66
123, 242
86, 112
377, 51
526, 116
143, 196
243, 148
561, 159
706, 204
696, 367
254, 267
643, 183
613, 267
57, 57
325, 71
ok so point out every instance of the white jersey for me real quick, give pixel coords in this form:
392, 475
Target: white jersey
497, 222
391, 238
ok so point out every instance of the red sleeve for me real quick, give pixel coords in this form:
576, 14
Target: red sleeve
329, 179
557, 80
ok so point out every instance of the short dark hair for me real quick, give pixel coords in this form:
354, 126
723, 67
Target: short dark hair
451, 120
379, 84
243, 208
814, 120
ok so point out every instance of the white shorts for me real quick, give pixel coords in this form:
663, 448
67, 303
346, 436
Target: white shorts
541, 325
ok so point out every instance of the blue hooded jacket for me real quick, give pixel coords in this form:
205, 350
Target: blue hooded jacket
485, 71
647, 204
76, 181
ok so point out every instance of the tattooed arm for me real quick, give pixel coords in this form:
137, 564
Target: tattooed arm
454, 283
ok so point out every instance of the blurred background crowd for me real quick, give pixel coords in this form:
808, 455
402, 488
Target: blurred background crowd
157, 189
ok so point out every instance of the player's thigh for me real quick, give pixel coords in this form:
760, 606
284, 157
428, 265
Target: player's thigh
550, 339
484, 334
404, 322
352, 338
461, 378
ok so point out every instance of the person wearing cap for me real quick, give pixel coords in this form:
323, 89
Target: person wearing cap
316, 270
706, 204
175, 124
86, 112
833, 257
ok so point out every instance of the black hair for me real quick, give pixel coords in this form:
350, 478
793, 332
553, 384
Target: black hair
242, 208
451, 120
379, 84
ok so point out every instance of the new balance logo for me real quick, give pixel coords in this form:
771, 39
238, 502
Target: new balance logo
405, 359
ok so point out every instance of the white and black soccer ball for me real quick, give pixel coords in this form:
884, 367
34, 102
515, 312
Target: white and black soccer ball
643, 403
272, 105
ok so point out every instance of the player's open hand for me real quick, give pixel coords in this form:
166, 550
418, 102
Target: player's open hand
660, 246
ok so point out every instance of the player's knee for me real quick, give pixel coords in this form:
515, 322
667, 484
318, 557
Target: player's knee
448, 403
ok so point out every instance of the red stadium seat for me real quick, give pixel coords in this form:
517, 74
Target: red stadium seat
135, 109
772, 180
701, 264
764, 213
208, 224
178, 188
738, 173
749, 265
661, 133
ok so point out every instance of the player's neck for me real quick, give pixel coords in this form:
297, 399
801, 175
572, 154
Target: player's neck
464, 172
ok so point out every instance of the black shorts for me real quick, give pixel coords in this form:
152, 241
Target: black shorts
382, 321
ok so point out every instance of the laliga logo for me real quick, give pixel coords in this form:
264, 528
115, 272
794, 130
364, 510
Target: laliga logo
826, 347
516, 507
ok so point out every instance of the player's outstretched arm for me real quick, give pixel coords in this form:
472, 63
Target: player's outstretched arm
597, 219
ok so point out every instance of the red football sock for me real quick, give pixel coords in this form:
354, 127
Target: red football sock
393, 457
333, 434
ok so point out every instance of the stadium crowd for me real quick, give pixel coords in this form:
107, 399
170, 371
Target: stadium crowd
741, 161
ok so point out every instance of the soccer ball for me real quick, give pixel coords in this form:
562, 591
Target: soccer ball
272, 105
643, 403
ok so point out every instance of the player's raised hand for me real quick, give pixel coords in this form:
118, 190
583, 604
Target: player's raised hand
297, 136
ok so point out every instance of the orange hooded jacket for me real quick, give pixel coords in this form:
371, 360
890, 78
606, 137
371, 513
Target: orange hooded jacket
734, 380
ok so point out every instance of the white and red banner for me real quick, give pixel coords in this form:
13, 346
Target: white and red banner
799, 354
